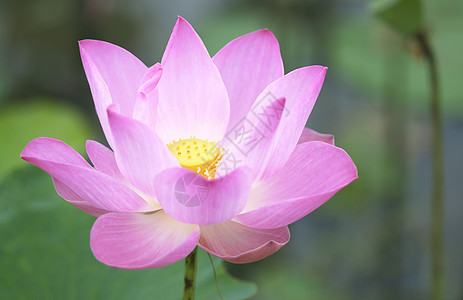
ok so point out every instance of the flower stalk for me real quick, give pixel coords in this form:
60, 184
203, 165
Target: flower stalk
437, 205
190, 275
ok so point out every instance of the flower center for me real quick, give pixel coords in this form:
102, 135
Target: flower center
197, 155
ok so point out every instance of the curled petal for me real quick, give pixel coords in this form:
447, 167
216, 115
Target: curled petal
190, 198
146, 103
44, 148
138, 241
309, 135
240, 244
120, 70
313, 174
98, 189
300, 88
114, 76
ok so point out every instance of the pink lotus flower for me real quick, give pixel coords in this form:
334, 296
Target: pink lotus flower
208, 152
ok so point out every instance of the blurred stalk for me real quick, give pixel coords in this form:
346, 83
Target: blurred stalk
394, 156
190, 276
437, 206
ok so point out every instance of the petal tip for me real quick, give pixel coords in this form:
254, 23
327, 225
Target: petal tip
266, 34
87, 42
91, 144
265, 31
322, 68
81, 43
323, 71
182, 22
32, 147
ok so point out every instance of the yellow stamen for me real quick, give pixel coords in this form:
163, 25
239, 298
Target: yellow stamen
203, 158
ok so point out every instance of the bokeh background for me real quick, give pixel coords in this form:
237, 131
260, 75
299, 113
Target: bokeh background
370, 241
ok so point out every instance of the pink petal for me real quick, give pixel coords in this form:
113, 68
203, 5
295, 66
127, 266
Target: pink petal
239, 244
248, 64
139, 241
150, 79
45, 148
140, 153
309, 135
248, 142
300, 88
103, 159
52, 149
313, 174
114, 75
120, 70
71, 197
193, 100
190, 198
146, 103
98, 189
100, 92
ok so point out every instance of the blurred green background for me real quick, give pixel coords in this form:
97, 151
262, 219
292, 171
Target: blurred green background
371, 241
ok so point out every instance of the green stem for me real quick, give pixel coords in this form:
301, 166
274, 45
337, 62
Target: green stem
190, 276
437, 207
